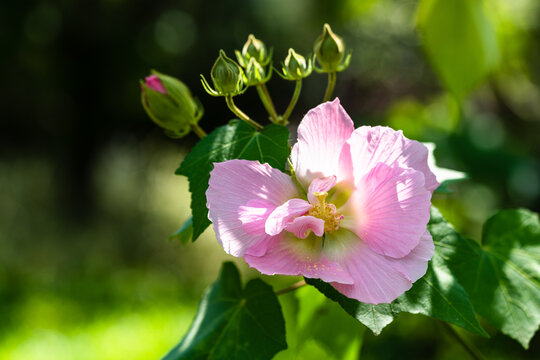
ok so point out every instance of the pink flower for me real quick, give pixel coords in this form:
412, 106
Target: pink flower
356, 217
154, 83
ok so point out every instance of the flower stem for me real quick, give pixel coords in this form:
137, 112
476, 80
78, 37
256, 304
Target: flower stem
232, 106
291, 288
330, 86
198, 130
292, 104
470, 348
267, 101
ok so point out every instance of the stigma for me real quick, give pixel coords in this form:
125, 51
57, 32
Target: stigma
326, 212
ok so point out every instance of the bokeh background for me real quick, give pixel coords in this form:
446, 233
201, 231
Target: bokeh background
88, 195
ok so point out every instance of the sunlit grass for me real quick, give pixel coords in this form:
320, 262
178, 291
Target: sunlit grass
46, 333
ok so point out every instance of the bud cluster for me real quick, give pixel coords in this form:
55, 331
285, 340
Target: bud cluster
256, 60
170, 105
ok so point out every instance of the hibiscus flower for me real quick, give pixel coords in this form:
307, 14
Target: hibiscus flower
353, 213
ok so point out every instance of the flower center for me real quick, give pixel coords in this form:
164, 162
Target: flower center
326, 212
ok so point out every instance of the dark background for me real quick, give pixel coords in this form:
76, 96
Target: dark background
87, 191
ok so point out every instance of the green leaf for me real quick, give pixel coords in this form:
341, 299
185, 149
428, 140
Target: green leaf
460, 41
237, 140
503, 276
318, 317
437, 294
234, 323
375, 317
310, 319
184, 233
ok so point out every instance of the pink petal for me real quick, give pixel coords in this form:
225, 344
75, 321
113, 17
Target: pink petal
320, 185
414, 265
154, 83
283, 214
389, 210
377, 279
379, 144
253, 217
254, 214
288, 255
322, 135
301, 226
233, 187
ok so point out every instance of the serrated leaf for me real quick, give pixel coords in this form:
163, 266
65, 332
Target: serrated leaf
460, 41
184, 233
503, 276
237, 140
437, 294
234, 323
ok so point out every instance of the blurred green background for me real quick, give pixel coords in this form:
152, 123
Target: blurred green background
88, 196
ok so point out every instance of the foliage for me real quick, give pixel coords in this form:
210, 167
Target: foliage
501, 275
234, 322
460, 41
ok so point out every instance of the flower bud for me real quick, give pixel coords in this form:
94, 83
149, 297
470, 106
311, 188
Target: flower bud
253, 49
169, 104
255, 73
154, 83
295, 66
227, 76
329, 51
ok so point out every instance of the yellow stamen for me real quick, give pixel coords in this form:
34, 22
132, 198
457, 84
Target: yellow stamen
326, 212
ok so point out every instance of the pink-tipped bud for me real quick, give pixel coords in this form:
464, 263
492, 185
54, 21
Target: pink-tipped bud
169, 104
154, 83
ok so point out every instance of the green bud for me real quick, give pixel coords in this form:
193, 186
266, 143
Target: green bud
227, 76
169, 103
255, 73
253, 49
329, 51
295, 66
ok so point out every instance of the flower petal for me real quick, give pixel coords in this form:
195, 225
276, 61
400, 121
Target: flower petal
320, 185
233, 187
372, 145
377, 279
284, 214
389, 209
322, 135
414, 265
253, 217
288, 255
301, 226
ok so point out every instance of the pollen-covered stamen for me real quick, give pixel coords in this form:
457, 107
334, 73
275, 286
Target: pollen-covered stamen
326, 212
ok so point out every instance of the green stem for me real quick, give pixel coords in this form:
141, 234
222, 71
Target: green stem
291, 288
470, 348
294, 99
198, 130
232, 106
330, 86
267, 101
